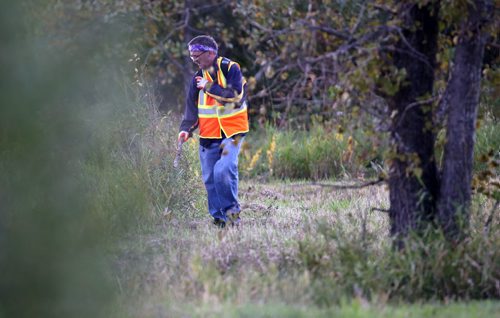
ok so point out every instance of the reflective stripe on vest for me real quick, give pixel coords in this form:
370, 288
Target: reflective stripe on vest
215, 116
229, 110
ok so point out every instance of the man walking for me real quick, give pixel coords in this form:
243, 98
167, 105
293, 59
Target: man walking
216, 105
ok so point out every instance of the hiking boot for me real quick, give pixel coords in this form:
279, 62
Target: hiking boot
233, 218
219, 223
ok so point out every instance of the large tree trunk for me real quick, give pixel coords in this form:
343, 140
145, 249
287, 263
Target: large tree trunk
463, 98
413, 182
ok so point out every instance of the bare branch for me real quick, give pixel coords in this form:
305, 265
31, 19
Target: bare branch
161, 45
208, 8
414, 52
385, 9
413, 105
353, 186
328, 30
348, 46
360, 17
409, 52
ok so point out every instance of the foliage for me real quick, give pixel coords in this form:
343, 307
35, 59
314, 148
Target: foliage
321, 153
85, 160
52, 250
487, 159
132, 171
318, 153
327, 58
81, 164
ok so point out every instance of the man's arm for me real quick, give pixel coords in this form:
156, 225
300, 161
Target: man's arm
190, 119
234, 92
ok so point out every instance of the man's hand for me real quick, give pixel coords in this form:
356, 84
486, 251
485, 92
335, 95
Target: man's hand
201, 82
183, 136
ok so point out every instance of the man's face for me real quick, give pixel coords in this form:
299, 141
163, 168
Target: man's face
204, 59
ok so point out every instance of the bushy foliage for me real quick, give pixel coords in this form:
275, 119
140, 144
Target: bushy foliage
81, 164
131, 176
323, 153
317, 153
427, 269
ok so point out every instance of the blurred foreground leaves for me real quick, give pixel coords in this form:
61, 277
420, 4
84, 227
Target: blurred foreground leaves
52, 249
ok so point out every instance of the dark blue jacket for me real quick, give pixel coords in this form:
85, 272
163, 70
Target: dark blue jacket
234, 78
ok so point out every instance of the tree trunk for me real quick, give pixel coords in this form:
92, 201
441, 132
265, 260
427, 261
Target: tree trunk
463, 98
413, 182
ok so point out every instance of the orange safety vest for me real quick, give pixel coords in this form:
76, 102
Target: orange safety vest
217, 113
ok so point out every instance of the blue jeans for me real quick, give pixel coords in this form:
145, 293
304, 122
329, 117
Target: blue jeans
219, 169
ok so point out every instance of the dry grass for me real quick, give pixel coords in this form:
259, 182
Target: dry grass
299, 244
190, 260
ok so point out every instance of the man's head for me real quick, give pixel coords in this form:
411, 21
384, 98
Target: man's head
203, 50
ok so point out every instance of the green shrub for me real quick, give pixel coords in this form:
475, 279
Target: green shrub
81, 166
427, 269
314, 154
325, 152
320, 153
131, 178
292, 158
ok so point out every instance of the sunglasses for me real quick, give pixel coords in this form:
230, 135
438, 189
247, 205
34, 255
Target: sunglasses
196, 57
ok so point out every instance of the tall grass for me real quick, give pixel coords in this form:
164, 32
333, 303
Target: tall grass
318, 153
322, 153
132, 171
487, 141
293, 248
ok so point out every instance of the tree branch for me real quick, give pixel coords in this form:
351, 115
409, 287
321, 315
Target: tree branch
328, 30
353, 186
414, 52
385, 9
360, 17
413, 105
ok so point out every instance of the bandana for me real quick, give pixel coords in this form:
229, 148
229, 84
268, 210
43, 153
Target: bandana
201, 48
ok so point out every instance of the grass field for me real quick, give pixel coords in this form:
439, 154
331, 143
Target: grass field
302, 250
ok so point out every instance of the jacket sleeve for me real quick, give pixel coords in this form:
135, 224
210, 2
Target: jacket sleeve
190, 119
235, 90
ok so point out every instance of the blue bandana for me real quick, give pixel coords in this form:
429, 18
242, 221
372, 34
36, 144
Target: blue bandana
201, 48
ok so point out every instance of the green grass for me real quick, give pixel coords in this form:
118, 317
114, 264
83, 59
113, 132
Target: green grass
304, 251
353, 309
340, 205
321, 153
315, 154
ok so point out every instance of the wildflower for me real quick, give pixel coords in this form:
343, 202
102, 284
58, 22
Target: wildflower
254, 160
270, 153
